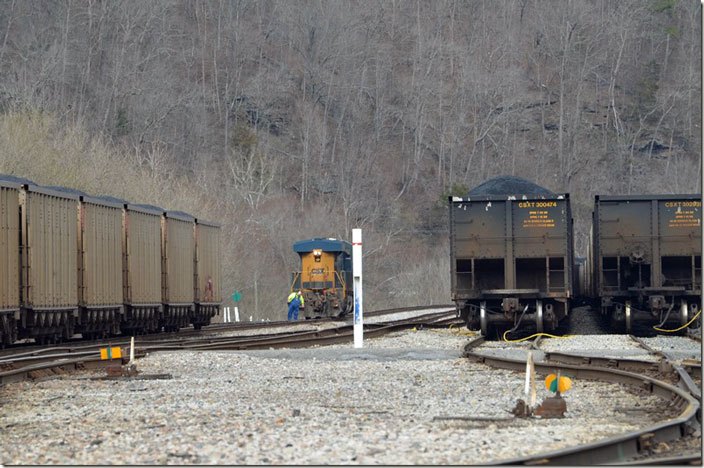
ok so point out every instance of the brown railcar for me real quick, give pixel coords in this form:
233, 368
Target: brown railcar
207, 291
70, 262
49, 257
100, 268
511, 260
646, 258
9, 261
178, 269
141, 268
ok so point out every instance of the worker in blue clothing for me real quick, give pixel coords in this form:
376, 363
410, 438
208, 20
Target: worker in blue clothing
295, 300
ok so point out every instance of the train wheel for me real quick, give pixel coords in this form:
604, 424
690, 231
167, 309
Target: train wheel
684, 318
628, 317
539, 316
483, 320
684, 313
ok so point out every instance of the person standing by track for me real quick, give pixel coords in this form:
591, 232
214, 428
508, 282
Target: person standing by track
295, 301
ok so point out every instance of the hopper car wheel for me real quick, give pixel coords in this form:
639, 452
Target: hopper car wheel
483, 321
684, 318
628, 317
539, 316
684, 314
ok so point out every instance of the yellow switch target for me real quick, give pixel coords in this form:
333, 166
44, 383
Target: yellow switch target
553, 385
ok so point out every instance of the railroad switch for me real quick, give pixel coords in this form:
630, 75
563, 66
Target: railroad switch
552, 407
116, 369
129, 372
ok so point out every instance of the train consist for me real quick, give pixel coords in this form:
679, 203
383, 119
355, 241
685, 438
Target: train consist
513, 264
645, 263
74, 263
325, 277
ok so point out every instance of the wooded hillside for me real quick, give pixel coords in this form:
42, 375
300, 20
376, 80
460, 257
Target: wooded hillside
285, 120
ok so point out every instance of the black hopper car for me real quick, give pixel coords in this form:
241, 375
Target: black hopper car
645, 263
511, 256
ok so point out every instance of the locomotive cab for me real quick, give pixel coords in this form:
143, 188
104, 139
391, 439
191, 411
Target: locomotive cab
325, 277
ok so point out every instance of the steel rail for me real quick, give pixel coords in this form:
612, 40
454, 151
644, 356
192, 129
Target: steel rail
679, 460
371, 313
33, 364
180, 342
685, 380
615, 449
306, 338
125, 340
55, 367
683, 370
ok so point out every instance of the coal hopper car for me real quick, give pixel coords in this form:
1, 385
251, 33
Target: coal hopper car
646, 259
207, 268
10, 264
511, 256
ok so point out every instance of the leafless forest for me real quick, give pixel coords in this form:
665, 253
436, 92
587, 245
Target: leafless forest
285, 120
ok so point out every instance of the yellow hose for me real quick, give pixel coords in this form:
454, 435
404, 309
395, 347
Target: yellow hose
531, 336
457, 331
683, 326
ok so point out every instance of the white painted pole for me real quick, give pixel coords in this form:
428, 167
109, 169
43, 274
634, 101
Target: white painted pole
526, 390
357, 274
531, 395
237, 314
226, 315
132, 350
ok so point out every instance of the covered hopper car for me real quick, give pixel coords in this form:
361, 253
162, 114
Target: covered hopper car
511, 260
645, 263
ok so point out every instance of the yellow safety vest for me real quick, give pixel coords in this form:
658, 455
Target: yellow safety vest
301, 298
290, 297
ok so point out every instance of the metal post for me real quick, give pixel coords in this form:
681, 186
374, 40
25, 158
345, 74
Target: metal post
237, 314
132, 350
530, 392
357, 274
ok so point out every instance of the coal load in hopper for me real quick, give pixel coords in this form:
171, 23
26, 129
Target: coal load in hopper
508, 185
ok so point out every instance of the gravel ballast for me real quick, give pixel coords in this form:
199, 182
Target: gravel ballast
404, 399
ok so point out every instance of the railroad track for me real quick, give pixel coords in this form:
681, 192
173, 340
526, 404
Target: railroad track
45, 362
687, 374
666, 379
75, 343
